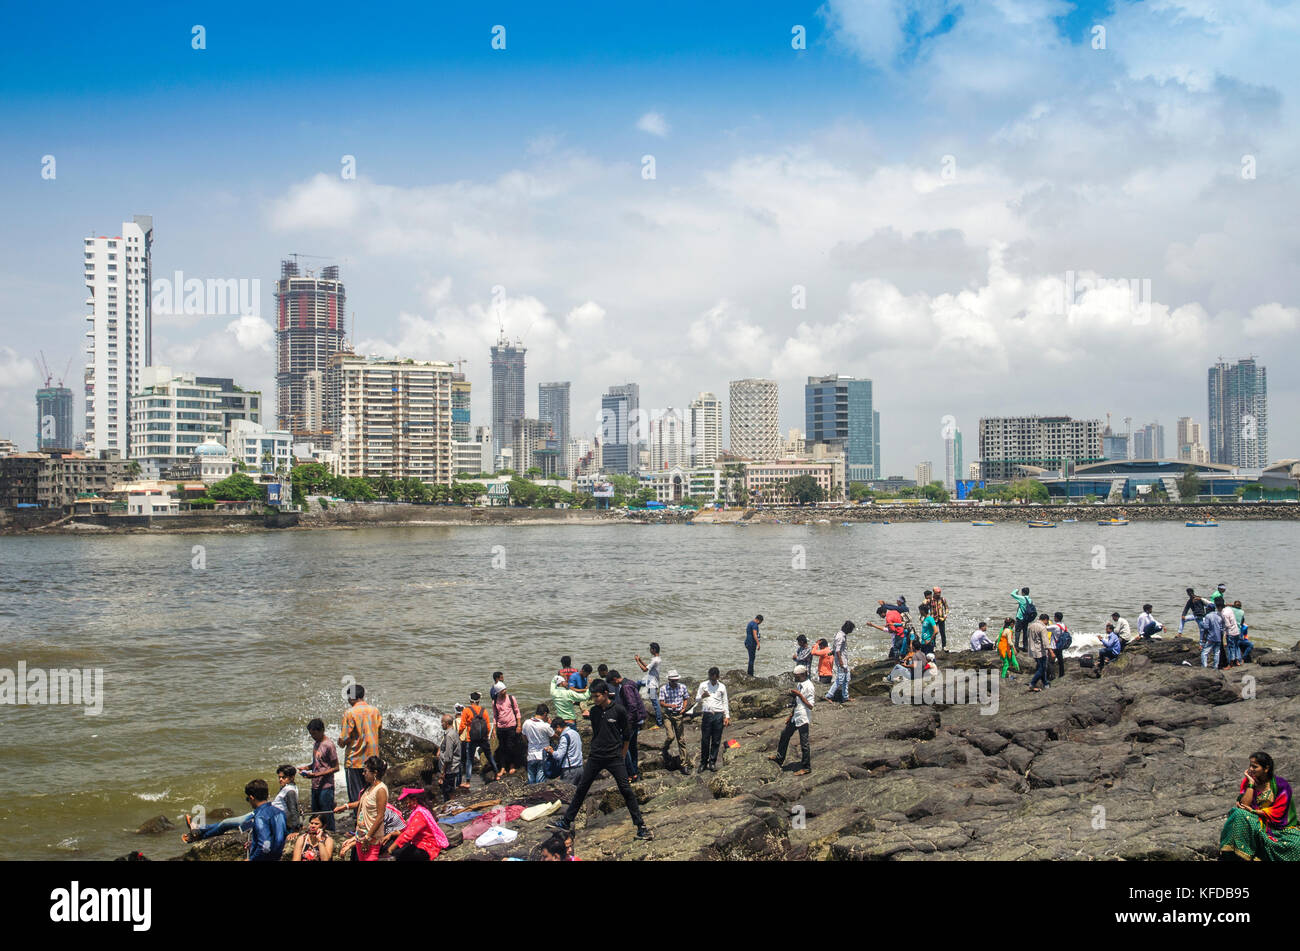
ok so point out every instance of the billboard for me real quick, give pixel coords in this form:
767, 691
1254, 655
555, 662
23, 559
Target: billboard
603, 490
966, 486
277, 493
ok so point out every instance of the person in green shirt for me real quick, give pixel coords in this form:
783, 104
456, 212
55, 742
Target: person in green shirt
563, 700
1022, 617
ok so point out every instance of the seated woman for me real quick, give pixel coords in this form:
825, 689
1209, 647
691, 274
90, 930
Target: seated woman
1262, 825
422, 839
314, 845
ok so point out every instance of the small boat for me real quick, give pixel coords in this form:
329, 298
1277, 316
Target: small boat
1112, 521
1041, 523
982, 524
1208, 523
1067, 521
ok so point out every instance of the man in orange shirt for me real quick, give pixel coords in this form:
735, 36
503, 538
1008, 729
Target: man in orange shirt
359, 738
476, 727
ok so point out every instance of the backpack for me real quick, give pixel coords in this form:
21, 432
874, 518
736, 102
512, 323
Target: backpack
1063, 639
478, 727
1030, 613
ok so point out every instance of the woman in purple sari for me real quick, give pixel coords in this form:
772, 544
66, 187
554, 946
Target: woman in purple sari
1262, 826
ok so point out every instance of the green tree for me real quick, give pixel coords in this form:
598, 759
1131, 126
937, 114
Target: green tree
643, 495
1189, 485
237, 488
523, 492
132, 469
935, 492
803, 489
466, 493
310, 477
534, 472
383, 486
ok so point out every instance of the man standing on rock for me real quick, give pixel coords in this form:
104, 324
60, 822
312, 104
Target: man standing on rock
840, 656
1024, 615
359, 737
939, 608
751, 640
628, 696
717, 714
1211, 638
799, 719
1036, 634
324, 764
449, 756
673, 701
609, 736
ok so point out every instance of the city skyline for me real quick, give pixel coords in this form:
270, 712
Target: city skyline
862, 236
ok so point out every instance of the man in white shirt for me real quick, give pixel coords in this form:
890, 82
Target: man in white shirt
1122, 629
1147, 625
979, 641
538, 732
716, 714
651, 682
799, 719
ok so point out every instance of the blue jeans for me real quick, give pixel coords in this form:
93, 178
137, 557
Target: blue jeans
654, 700
1209, 650
1247, 648
468, 753
322, 800
896, 646
1040, 673
753, 649
536, 771
841, 685
244, 823
1233, 647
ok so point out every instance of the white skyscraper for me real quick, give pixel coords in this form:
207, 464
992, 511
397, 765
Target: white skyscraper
924, 473
120, 338
705, 429
754, 431
668, 443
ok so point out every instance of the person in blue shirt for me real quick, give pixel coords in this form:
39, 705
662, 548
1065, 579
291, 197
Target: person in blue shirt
269, 827
578, 681
751, 640
1111, 646
1211, 638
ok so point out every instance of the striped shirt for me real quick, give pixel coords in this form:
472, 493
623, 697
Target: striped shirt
361, 726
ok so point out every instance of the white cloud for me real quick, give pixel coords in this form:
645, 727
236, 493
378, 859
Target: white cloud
1271, 320
653, 123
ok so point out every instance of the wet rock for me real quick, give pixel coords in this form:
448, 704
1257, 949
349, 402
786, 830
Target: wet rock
154, 826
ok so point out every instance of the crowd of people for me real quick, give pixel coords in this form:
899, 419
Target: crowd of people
548, 744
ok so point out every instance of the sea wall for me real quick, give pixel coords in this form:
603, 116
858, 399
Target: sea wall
1134, 512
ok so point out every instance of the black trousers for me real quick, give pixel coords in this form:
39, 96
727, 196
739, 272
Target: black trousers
710, 737
508, 747
411, 853
1060, 662
943, 633
612, 764
804, 746
1022, 634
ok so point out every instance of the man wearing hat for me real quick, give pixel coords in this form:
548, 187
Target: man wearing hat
939, 608
799, 719
673, 701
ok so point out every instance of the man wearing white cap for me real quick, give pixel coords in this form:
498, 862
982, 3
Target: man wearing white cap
799, 719
673, 701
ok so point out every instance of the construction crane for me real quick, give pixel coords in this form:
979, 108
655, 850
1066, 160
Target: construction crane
45, 369
460, 365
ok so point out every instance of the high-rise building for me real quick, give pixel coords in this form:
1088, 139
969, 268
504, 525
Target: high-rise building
1047, 442
1149, 442
1238, 398
1114, 445
754, 430
669, 445
924, 473
394, 418
171, 416
460, 406
838, 408
507, 393
952, 470
620, 413
974, 471
236, 402
527, 436
120, 343
705, 429
54, 418
1191, 448
553, 408
309, 332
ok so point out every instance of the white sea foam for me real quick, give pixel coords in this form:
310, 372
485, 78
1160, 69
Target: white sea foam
154, 796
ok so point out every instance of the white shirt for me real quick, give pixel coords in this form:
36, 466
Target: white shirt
652, 673
838, 646
979, 639
800, 711
714, 697
1124, 631
539, 735
1144, 619
1230, 626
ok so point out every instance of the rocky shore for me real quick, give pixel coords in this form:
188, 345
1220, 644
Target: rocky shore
1141, 764
1084, 514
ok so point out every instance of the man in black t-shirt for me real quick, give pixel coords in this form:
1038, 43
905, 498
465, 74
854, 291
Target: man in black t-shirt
610, 734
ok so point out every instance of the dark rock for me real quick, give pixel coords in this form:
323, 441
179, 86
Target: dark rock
155, 826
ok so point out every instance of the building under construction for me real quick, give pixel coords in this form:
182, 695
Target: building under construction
309, 331
54, 418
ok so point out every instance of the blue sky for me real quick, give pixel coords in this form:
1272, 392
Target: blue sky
818, 167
